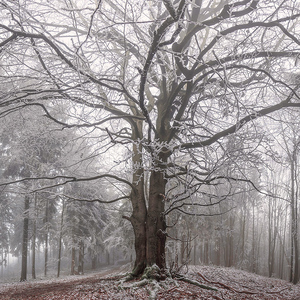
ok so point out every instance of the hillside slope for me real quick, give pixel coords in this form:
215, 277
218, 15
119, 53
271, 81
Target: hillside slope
227, 283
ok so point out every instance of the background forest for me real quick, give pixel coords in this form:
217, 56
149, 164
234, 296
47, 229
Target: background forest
151, 132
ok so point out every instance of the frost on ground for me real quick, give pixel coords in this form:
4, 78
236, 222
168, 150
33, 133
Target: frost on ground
226, 283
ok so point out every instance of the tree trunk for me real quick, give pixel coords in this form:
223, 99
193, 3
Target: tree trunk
46, 253
2, 263
60, 238
46, 225
73, 260
294, 276
243, 226
272, 238
33, 251
138, 201
25, 240
34, 240
149, 224
156, 223
80, 257
195, 253
94, 261
253, 262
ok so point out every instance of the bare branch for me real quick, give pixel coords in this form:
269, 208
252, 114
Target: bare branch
11, 38
263, 112
67, 179
96, 200
169, 6
100, 81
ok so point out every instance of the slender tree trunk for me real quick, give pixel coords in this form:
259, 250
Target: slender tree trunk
230, 242
107, 257
183, 248
296, 235
271, 243
94, 261
81, 257
46, 237
243, 236
253, 263
25, 240
2, 262
205, 250
218, 251
73, 260
34, 239
195, 253
60, 238
46, 255
294, 275
283, 243
33, 250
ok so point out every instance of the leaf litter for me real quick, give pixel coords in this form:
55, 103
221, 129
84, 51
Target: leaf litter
226, 283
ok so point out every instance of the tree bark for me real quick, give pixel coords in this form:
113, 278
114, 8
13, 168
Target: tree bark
149, 225
156, 223
138, 201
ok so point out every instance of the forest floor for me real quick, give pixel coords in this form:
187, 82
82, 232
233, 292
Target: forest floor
227, 283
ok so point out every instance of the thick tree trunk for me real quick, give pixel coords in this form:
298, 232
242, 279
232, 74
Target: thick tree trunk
138, 224
25, 240
138, 202
138, 220
156, 223
148, 221
149, 225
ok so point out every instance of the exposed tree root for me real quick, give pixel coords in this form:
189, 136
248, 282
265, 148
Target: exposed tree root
154, 272
226, 286
128, 277
156, 280
152, 286
136, 284
195, 283
181, 292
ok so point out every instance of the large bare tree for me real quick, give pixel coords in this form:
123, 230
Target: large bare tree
161, 83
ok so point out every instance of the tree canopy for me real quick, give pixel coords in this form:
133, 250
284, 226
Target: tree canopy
167, 95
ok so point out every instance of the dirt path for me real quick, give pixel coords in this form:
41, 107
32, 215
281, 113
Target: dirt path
56, 288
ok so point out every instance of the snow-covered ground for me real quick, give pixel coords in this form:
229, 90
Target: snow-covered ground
227, 283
